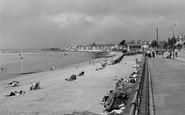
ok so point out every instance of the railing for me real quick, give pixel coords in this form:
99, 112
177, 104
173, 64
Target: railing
140, 103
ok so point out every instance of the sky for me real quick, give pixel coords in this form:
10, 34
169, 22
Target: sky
37, 24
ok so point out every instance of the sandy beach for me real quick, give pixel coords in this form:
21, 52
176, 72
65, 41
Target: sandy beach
58, 96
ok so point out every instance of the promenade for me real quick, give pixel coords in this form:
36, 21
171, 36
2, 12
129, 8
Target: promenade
167, 95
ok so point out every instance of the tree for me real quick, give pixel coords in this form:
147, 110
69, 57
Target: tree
163, 44
153, 43
122, 43
179, 46
172, 41
94, 44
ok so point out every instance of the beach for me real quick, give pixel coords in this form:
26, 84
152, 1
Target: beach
58, 96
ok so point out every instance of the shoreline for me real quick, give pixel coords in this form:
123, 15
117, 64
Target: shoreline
80, 59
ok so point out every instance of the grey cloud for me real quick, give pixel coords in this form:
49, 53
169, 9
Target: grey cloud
43, 23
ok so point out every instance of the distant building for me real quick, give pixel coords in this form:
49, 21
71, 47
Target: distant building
134, 45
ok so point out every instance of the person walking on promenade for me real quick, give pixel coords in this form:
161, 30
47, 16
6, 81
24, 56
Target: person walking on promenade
153, 53
170, 55
176, 52
149, 54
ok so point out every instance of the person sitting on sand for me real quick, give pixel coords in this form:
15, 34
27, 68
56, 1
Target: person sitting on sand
103, 65
137, 60
105, 98
134, 75
119, 84
73, 77
132, 80
16, 93
98, 68
81, 73
35, 86
116, 98
136, 66
52, 68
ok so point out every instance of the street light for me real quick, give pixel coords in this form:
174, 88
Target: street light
182, 40
21, 65
173, 39
21, 58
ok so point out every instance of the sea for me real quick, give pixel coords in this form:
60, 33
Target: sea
16, 63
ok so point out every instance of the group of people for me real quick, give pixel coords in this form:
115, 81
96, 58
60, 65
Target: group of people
131, 78
74, 77
115, 101
170, 54
16, 93
13, 83
81, 73
150, 53
34, 86
103, 65
105, 62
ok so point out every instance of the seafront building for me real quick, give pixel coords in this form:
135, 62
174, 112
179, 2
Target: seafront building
132, 45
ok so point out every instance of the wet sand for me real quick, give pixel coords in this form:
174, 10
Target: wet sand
58, 96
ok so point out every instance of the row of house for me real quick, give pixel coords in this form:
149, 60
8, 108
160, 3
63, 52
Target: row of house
105, 47
180, 39
132, 45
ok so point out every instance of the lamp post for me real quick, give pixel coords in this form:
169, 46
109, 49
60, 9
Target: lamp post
173, 39
21, 58
157, 39
21, 65
181, 41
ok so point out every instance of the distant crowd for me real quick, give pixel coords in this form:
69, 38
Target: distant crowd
170, 54
150, 53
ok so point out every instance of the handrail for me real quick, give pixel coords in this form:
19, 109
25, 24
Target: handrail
135, 104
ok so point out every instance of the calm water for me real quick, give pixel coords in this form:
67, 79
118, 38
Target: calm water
39, 61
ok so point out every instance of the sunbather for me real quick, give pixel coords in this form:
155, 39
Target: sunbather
106, 97
118, 111
13, 83
116, 98
73, 77
16, 93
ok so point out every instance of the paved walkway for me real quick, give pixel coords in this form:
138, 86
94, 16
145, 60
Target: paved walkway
168, 82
